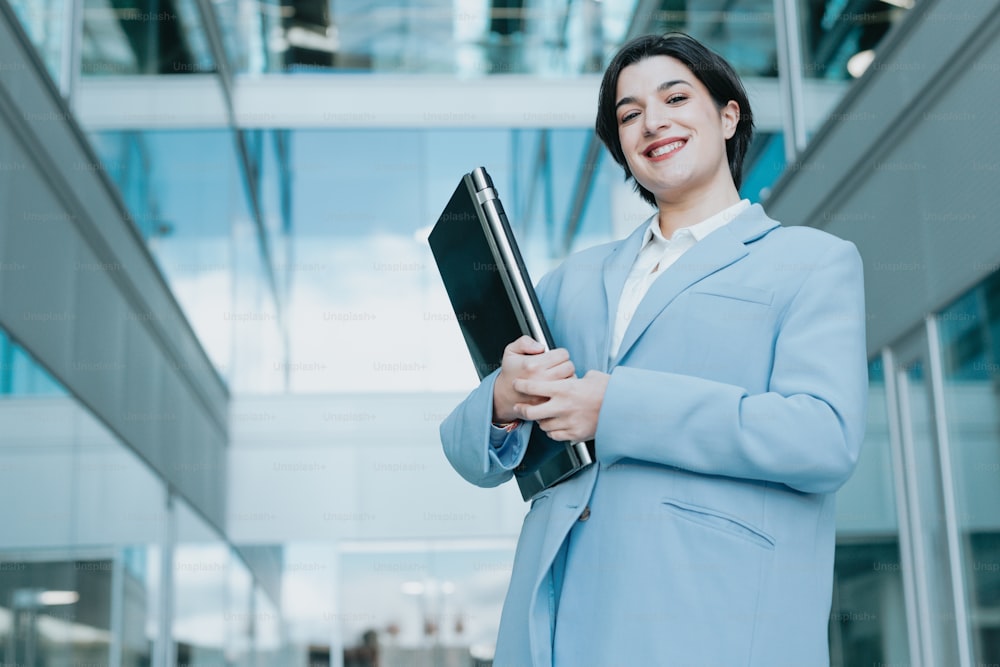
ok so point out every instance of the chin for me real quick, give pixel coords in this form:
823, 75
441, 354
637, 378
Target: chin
670, 184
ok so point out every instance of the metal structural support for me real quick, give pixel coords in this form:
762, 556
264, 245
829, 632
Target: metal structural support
915, 528
249, 170
117, 607
948, 493
899, 478
71, 56
786, 26
163, 651
581, 191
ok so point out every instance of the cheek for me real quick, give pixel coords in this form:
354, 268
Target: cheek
630, 141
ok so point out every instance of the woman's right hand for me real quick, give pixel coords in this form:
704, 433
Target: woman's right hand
525, 358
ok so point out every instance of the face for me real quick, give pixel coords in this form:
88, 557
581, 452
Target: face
671, 132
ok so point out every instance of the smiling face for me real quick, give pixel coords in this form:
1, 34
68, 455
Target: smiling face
672, 133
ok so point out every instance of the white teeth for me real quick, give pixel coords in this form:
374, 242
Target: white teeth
663, 150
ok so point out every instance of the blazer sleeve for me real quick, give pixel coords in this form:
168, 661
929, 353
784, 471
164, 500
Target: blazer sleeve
465, 435
804, 432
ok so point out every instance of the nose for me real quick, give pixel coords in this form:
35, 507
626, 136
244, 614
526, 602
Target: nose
656, 117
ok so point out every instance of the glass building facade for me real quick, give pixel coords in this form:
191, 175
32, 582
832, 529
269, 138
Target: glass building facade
296, 269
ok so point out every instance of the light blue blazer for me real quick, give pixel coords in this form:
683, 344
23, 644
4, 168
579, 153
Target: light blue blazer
735, 409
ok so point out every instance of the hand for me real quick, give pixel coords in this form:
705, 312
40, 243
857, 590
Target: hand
572, 406
526, 359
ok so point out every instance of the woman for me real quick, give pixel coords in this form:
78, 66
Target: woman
717, 359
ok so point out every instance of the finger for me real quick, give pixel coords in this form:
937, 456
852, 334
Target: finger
532, 400
557, 428
525, 345
534, 387
539, 363
535, 413
560, 355
551, 424
563, 371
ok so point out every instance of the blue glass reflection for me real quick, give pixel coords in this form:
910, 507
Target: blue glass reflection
355, 296
21, 375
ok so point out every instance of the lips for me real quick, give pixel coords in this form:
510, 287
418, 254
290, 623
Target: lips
664, 148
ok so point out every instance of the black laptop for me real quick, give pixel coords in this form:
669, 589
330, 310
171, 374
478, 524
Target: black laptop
495, 303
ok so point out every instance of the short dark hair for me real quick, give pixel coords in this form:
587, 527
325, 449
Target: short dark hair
717, 75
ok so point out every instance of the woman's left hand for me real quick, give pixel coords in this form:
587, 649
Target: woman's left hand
573, 406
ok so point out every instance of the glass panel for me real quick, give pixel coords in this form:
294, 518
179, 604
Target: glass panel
20, 375
741, 31
421, 605
310, 605
241, 620
46, 23
55, 611
200, 578
82, 519
343, 261
267, 636
185, 192
362, 269
839, 37
271, 151
970, 350
140, 604
763, 164
471, 38
868, 618
935, 603
839, 41
143, 37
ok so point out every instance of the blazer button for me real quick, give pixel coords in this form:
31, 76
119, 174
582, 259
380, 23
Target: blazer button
585, 514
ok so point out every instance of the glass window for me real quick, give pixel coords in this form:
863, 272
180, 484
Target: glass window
185, 192
140, 600
932, 568
970, 350
241, 617
82, 521
839, 38
20, 375
267, 632
741, 31
362, 269
45, 22
763, 164
421, 604
201, 567
868, 618
477, 38
128, 37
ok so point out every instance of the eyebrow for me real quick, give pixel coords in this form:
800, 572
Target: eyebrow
660, 88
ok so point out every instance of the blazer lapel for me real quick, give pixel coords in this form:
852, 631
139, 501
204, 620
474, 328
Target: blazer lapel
616, 269
718, 250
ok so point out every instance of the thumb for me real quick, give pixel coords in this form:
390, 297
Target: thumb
527, 345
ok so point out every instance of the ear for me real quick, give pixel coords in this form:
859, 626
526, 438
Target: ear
730, 115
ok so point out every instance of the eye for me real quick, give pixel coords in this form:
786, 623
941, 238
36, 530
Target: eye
676, 99
628, 116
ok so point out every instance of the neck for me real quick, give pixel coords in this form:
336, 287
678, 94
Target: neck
687, 211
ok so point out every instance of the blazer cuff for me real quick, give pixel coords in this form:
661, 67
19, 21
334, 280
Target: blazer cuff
506, 446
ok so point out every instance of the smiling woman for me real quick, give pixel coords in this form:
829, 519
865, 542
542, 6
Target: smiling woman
677, 83
724, 387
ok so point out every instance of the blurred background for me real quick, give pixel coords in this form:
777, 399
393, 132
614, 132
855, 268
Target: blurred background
225, 349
